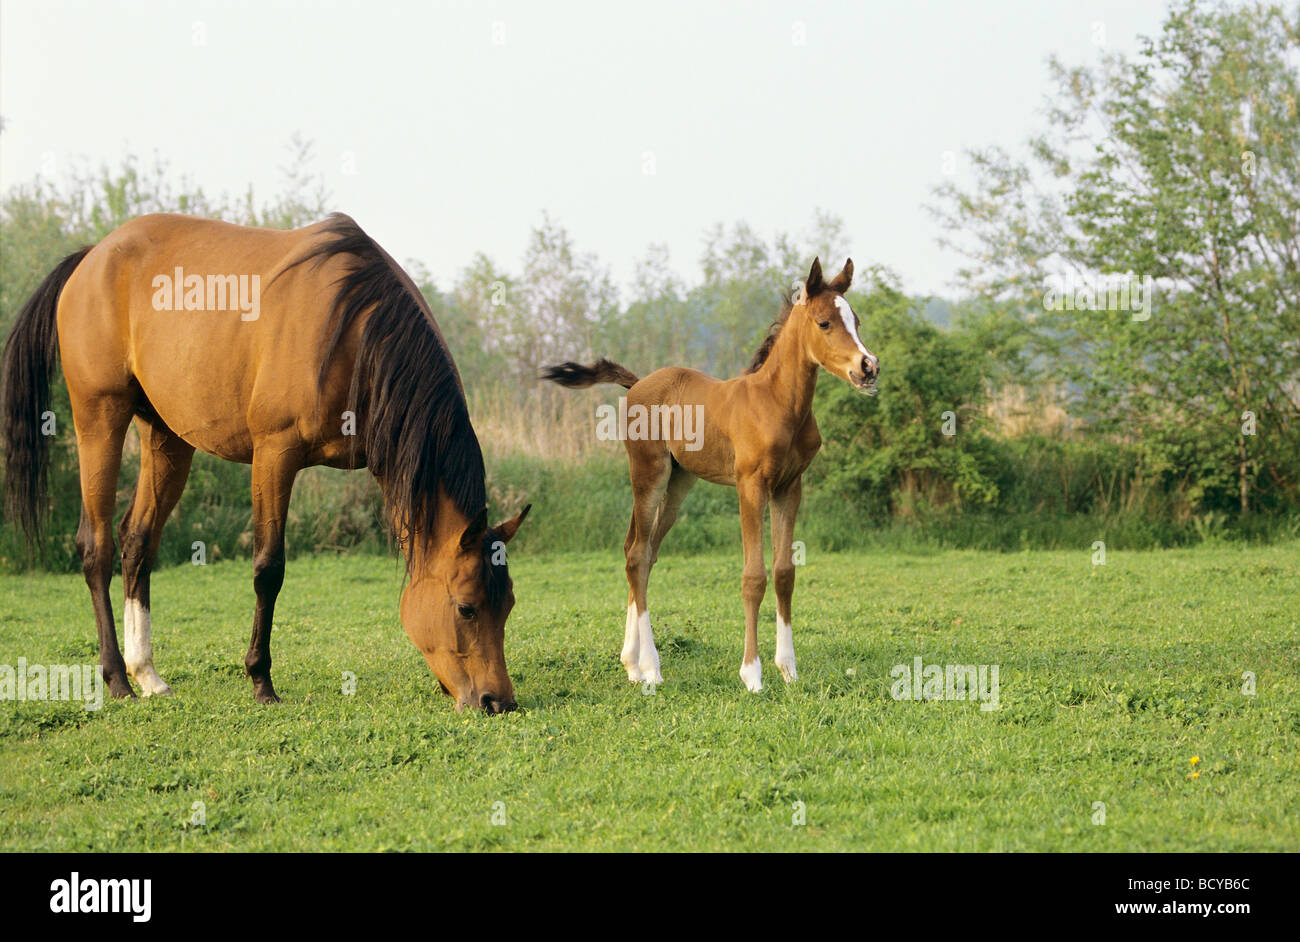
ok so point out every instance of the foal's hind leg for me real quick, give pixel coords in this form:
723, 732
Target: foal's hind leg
680, 482
679, 485
164, 466
101, 422
274, 468
650, 471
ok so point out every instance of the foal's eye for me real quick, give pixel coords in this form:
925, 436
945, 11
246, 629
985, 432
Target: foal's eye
824, 325
466, 611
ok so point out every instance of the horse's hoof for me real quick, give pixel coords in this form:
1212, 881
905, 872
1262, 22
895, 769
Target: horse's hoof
752, 675
151, 685
650, 672
787, 669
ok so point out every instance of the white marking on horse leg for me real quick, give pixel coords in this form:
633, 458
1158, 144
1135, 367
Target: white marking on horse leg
752, 675
648, 660
631, 645
139, 649
785, 650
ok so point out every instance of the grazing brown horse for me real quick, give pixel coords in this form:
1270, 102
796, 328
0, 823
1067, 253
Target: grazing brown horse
279, 349
755, 433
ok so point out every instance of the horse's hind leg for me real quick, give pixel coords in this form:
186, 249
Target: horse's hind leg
679, 485
631, 639
101, 422
651, 469
164, 467
274, 468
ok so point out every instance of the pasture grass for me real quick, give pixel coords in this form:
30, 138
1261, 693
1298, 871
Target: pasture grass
1112, 678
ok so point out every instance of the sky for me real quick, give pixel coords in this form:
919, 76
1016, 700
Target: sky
448, 128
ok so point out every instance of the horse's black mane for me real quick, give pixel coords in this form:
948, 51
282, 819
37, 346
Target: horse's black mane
413, 424
765, 348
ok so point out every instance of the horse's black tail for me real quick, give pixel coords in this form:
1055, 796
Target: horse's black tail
577, 376
31, 353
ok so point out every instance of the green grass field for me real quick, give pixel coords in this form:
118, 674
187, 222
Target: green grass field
1112, 678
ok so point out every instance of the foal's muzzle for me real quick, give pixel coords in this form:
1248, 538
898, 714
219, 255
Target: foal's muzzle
864, 377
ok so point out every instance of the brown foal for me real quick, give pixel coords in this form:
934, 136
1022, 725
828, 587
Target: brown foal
755, 432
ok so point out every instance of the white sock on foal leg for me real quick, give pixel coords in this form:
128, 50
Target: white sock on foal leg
631, 646
785, 650
752, 675
648, 660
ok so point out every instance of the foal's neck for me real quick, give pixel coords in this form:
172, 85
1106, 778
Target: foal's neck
789, 372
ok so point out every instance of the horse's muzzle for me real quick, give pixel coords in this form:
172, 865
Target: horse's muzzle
491, 704
864, 377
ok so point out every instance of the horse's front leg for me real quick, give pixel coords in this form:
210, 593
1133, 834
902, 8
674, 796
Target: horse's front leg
274, 469
753, 493
785, 507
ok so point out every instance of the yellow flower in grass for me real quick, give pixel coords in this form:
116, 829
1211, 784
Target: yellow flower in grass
1196, 760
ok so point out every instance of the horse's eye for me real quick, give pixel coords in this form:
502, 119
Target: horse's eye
824, 325
466, 611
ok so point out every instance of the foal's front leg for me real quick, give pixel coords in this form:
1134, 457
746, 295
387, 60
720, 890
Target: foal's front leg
785, 507
753, 583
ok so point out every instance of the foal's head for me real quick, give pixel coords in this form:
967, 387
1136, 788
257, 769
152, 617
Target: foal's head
831, 328
455, 607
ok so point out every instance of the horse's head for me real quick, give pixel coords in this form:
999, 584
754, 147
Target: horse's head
455, 607
831, 327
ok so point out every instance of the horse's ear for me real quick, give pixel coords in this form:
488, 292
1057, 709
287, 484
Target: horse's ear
845, 278
510, 527
474, 532
814, 284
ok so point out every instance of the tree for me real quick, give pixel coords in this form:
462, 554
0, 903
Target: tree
1181, 166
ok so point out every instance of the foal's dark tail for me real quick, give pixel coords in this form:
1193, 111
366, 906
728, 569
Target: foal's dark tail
577, 376
31, 353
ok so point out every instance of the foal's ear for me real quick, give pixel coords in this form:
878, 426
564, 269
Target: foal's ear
509, 528
814, 284
474, 532
845, 278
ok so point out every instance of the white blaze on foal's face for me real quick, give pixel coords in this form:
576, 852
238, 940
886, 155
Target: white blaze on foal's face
851, 325
862, 366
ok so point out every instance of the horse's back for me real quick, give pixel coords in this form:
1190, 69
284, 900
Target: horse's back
196, 314
671, 384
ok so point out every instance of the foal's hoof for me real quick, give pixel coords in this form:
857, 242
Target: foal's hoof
644, 675
787, 669
752, 675
120, 689
650, 671
266, 697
